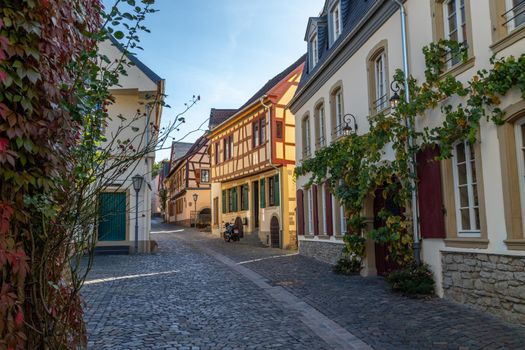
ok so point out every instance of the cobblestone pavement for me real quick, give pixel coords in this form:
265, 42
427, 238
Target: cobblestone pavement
185, 297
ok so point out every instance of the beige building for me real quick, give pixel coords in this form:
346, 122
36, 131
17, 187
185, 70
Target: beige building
252, 164
131, 114
188, 185
474, 242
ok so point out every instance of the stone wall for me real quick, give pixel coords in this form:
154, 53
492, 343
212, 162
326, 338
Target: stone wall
492, 283
324, 251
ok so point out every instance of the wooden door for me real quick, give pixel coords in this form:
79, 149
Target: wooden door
274, 233
112, 216
383, 265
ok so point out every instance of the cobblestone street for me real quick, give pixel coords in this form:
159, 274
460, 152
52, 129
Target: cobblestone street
198, 292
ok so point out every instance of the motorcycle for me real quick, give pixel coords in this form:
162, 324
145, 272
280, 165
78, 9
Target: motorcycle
231, 232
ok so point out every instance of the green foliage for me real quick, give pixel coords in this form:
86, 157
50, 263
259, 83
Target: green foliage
412, 280
353, 254
355, 168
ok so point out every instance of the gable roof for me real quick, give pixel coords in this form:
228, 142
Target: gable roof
179, 149
274, 81
352, 11
193, 149
217, 116
133, 58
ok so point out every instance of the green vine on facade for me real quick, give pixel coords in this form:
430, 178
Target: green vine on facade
355, 167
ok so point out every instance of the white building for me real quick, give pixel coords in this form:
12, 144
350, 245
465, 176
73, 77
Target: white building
117, 204
354, 47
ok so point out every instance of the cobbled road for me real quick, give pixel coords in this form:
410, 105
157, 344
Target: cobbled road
198, 292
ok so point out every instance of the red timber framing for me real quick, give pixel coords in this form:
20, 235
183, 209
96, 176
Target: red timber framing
248, 158
187, 172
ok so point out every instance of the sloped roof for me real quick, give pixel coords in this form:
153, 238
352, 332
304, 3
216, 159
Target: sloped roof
274, 81
194, 148
217, 116
145, 69
352, 11
179, 150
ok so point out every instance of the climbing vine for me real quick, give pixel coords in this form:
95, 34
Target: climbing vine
377, 163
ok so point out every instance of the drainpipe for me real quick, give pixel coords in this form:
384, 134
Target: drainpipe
410, 126
269, 137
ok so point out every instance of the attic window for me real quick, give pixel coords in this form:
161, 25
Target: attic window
314, 51
336, 21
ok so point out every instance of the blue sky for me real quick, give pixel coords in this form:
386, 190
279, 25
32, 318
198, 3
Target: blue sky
222, 50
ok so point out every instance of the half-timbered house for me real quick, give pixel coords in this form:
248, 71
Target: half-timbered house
252, 164
188, 185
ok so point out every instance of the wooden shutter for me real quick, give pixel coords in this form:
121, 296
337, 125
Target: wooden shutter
277, 199
223, 201
300, 212
328, 218
431, 218
315, 210
234, 199
263, 194
197, 176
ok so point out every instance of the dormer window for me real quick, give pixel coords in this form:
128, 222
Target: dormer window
336, 21
314, 51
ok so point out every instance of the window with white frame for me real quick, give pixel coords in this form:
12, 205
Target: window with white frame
314, 51
455, 22
520, 144
466, 190
306, 137
515, 15
336, 21
343, 219
309, 211
205, 175
320, 127
338, 99
380, 82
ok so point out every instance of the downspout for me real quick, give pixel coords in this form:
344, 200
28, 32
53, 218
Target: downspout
410, 126
269, 140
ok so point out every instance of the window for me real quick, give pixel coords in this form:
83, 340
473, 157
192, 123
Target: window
228, 147
455, 25
320, 126
515, 15
306, 137
337, 112
256, 134
217, 154
343, 220
232, 199
179, 204
465, 190
244, 197
263, 130
273, 191
336, 21
314, 51
279, 130
381, 95
205, 175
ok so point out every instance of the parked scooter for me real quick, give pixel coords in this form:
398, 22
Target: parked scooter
231, 232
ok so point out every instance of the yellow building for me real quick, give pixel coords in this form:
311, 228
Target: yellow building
252, 163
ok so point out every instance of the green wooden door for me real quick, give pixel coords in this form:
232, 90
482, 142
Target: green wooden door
112, 216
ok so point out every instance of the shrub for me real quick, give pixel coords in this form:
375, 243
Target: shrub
412, 280
347, 266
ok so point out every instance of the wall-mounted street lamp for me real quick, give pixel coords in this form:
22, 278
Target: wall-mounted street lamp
195, 197
347, 128
395, 99
137, 185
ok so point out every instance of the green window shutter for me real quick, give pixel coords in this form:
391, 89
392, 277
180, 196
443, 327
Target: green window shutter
223, 201
234, 198
263, 194
245, 197
276, 190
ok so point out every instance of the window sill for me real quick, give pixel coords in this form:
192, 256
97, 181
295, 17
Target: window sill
459, 68
508, 40
323, 237
309, 236
515, 244
384, 111
475, 243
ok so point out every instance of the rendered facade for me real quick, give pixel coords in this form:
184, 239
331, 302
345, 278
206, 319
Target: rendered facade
471, 206
116, 228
